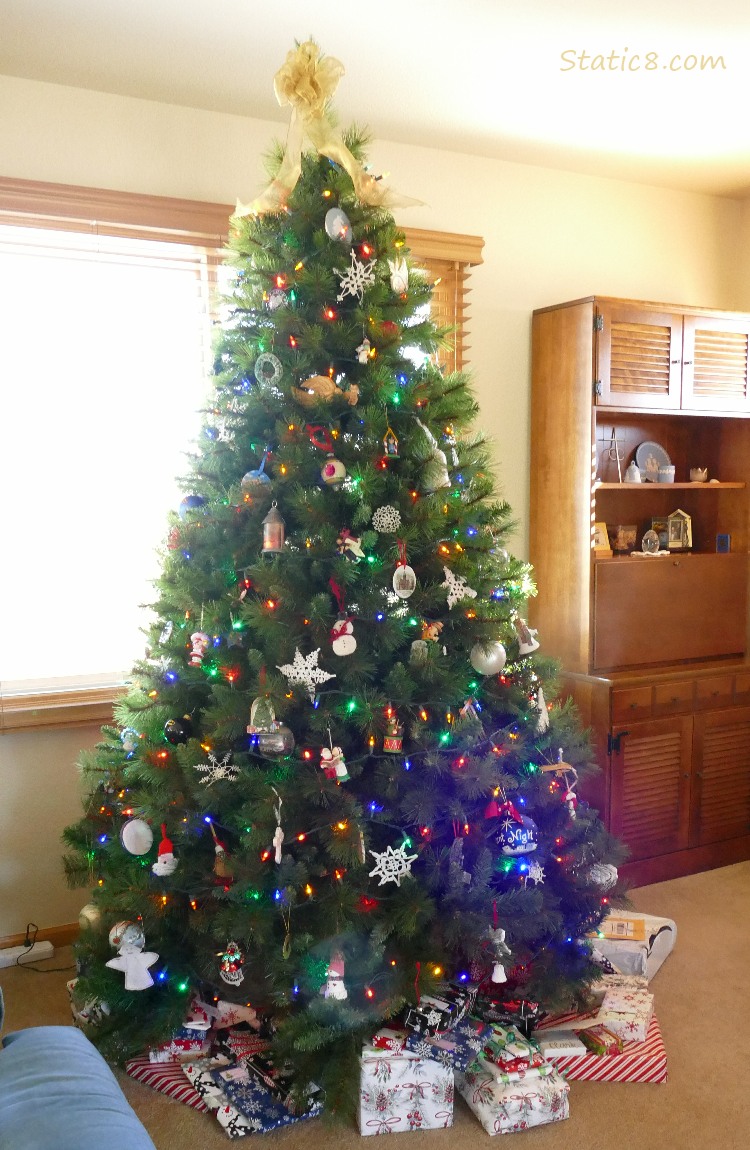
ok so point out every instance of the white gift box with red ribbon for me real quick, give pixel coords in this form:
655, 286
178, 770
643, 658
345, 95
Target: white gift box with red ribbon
400, 1091
506, 1108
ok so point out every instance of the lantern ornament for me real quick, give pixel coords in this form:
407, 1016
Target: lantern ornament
273, 531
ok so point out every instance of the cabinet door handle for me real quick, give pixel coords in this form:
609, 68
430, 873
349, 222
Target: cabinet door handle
687, 361
699, 774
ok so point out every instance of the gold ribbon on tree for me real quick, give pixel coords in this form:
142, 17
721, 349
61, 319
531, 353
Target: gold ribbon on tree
307, 81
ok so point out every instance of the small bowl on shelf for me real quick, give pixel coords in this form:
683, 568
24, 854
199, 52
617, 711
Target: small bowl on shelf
698, 474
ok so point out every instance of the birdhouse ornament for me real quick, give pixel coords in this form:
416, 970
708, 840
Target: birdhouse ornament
518, 833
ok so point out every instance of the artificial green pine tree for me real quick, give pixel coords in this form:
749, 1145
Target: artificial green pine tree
337, 724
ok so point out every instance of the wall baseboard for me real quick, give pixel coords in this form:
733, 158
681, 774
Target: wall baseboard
58, 935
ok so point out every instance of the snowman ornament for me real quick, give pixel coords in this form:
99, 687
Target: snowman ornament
342, 636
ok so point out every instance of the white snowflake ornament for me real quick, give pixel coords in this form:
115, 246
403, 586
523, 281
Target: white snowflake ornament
356, 278
392, 865
218, 770
387, 519
305, 670
536, 873
457, 588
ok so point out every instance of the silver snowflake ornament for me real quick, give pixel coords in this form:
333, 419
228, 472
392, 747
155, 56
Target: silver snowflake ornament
305, 670
218, 770
392, 865
387, 519
457, 587
536, 873
356, 278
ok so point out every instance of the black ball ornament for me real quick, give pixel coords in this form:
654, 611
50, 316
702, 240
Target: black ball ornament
178, 731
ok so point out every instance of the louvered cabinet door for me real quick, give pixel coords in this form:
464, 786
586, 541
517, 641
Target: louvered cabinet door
721, 783
715, 363
650, 785
638, 357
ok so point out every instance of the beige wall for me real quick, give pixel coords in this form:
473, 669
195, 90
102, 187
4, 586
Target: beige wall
549, 236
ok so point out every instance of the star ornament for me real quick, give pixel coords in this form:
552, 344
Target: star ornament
392, 865
305, 671
457, 588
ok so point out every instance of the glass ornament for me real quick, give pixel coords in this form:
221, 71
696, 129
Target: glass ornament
127, 933
178, 731
136, 837
262, 715
190, 503
488, 659
333, 471
276, 743
338, 225
404, 581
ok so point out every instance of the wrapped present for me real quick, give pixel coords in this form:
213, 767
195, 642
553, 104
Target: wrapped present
441, 1011
638, 1062
403, 1091
240, 1042
456, 1047
518, 1012
279, 1082
600, 1040
505, 1108
513, 1054
560, 1044
254, 1102
167, 1078
643, 955
185, 1043
387, 1039
200, 1074
627, 1008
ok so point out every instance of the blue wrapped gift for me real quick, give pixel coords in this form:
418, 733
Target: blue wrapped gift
254, 1101
456, 1047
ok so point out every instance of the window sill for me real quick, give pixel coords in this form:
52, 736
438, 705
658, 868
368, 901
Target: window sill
58, 709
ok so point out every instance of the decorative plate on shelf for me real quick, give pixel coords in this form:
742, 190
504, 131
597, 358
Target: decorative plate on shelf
650, 457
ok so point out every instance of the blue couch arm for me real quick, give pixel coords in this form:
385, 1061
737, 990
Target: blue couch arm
58, 1093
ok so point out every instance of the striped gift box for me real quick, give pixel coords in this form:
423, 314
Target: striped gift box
639, 1062
166, 1077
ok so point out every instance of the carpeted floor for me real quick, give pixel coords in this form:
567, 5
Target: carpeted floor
701, 1003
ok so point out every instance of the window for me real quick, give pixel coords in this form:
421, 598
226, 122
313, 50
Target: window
104, 338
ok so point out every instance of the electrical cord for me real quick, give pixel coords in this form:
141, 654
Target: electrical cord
29, 943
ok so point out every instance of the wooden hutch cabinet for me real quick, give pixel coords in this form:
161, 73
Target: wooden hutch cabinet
653, 648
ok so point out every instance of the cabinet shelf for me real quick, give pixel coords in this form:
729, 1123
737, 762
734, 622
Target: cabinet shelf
598, 486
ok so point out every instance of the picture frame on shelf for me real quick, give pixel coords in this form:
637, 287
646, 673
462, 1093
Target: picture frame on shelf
600, 540
659, 525
679, 531
723, 543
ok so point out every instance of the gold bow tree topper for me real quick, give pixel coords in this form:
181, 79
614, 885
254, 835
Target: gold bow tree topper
307, 81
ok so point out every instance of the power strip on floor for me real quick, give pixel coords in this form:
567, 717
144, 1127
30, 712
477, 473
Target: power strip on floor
17, 955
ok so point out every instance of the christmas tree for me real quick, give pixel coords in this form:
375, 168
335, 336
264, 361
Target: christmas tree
340, 724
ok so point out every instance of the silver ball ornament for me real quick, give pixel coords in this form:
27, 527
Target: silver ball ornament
488, 659
603, 875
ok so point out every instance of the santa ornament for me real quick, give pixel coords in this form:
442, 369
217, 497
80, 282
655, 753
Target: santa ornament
221, 864
166, 863
333, 763
200, 641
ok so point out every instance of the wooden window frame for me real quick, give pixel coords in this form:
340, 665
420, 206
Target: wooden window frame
447, 255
